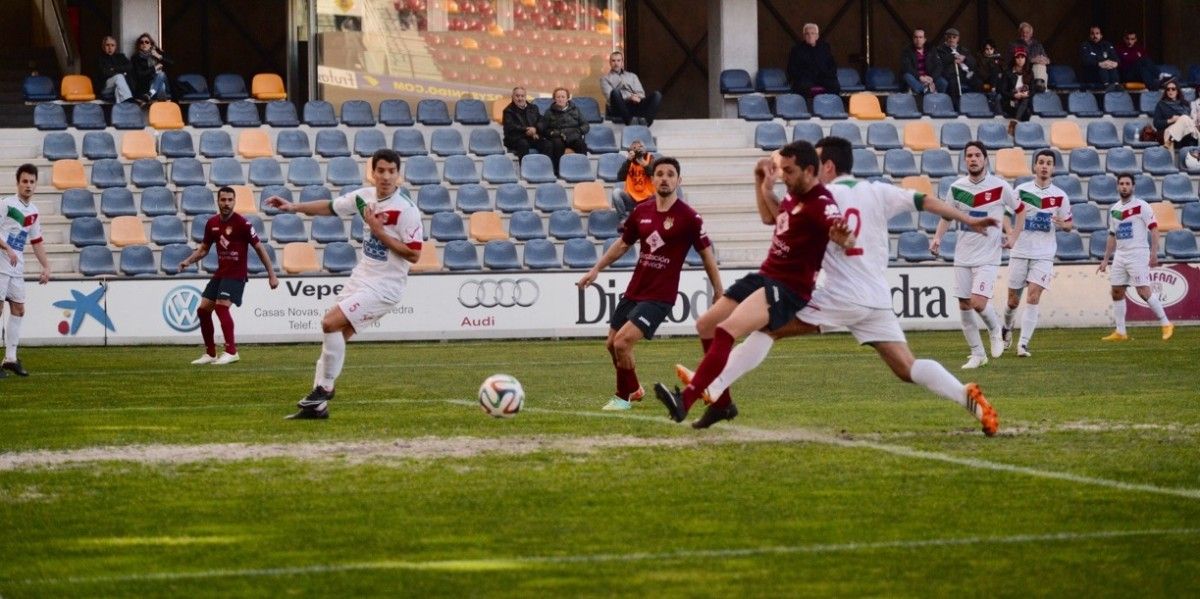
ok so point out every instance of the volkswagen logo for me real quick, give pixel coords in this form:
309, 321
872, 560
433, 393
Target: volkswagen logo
506, 293
179, 308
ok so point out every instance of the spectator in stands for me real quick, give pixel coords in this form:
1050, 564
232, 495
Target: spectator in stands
991, 67
520, 122
563, 126
958, 66
1172, 118
114, 67
1014, 89
627, 99
811, 64
1035, 55
149, 79
1098, 60
638, 186
920, 67
1135, 63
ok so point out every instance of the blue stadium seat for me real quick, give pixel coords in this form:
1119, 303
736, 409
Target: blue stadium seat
242, 113
938, 106
39, 88
157, 201
76, 203
460, 254
512, 197
588, 107
1119, 104
956, 135
186, 172
98, 145
226, 171
849, 80
579, 253
499, 169
273, 190
753, 107
473, 198
446, 142
1145, 188
204, 115
57, 146
976, 106
87, 230
866, 164
167, 229
770, 80
1085, 162
342, 171
536, 168
230, 87
1062, 77
603, 224
881, 79
1102, 189
1048, 106
1189, 219
791, 107
254, 265
1070, 184
1182, 245
433, 113
829, 106
216, 144
1102, 135
288, 228
460, 170
1070, 246
473, 112
943, 189
1083, 105
576, 168
937, 163
311, 193
176, 144
88, 117
485, 141
640, 133
421, 170
117, 201
607, 167
769, 136
1172, 72
409, 142
551, 197
526, 225
282, 113
900, 163
332, 143
95, 261
1148, 100
319, 113
902, 106
1158, 161
357, 113
1178, 188
265, 171
994, 136
1087, 218
541, 254
883, 136
949, 244
565, 224
434, 198
928, 222
128, 115
50, 117
1121, 160
395, 113
147, 172
628, 259
1130, 133
1030, 136
304, 171
848, 131
810, 132
736, 81
340, 257
1096, 244
913, 246
108, 173
197, 200
292, 143
196, 230
600, 140
500, 254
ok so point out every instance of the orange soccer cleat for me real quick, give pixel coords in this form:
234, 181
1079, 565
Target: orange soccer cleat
685, 376
979, 406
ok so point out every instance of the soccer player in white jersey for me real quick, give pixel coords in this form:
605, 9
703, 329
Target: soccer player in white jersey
1133, 247
391, 243
1032, 260
977, 256
856, 294
19, 226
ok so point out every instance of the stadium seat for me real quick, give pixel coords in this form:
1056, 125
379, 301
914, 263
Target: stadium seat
341, 257
292, 143
429, 260
1102, 189
265, 171
282, 113
1085, 162
105, 173
460, 170
865, 106
975, 105
98, 145
881, 79
627, 260
460, 255
473, 198
186, 172
588, 107
1070, 246
498, 169
641, 133
96, 261
303, 171
52, 117
1158, 161
1121, 160
77, 88
1164, 213
1178, 188
300, 257
176, 144
138, 144
368, 141
1087, 218
902, 106
1145, 187
600, 140
810, 132
204, 115
87, 117
883, 136
216, 144
994, 136
1190, 218
319, 113
913, 246
254, 144
551, 197
575, 168
938, 106
242, 113
226, 171
866, 165
433, 113
526, 225
791, 107
1066, 136
500, 255
127, 115
848, 131
87, 230
900, 163
166, 115
287, 228
357, 113
949, 244
541, 254
332, 143
1119, 104
736, 81
1170, 71
312, 193
117, 201
192, 88
902, 223
167, 229
928, 222
267, 87
536, 168
421, 170
1148, 100
409, 142
484, 141
68, 174
1062, 77
230, 87
768, 136
432, 199
38, 88
753, 107
590, 196
1048, 106
1011, 163
273, 190
1070, 184
446, 142
1082, 104
57, 146
197, 200
565, 224
1131, 132
127, 230
918, 136
511, 197
849, 80
938, 163
395, 113
244, 204
771, 80
829, 107
579, 253
342, 171
196, 230
955, 136
1182, 245
1096, 243
447, 226
486, 226
78, 202
138, 260
1030, 136
473, 112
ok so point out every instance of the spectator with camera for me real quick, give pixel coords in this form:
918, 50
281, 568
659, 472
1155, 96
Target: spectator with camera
563, 126
635, 173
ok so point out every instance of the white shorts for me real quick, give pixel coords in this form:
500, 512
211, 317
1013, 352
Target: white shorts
363, 306
975, 280
1029, 270
12, 288
868, 325
1130, 270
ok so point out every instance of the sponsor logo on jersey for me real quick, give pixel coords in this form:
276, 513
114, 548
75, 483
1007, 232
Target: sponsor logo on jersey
668, 222
982, 198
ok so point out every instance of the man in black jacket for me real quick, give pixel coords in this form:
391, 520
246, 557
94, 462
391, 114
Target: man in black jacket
113, 68
520, 126
958, 66
811, 64
920, 67
1099, 61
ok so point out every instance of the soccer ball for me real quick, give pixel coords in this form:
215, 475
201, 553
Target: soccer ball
501, 396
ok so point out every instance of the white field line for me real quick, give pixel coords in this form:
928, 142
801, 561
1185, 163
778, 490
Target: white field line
516, 562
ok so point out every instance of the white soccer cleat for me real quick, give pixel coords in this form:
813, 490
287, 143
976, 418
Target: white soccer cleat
226, 358
1023, 351
998, 345
205, 359
975, 362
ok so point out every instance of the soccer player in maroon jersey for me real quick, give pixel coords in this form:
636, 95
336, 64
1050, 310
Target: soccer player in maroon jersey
805, 221
665, 229
233, 236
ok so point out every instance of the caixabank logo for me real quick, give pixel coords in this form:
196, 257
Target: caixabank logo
179, 308
80, 307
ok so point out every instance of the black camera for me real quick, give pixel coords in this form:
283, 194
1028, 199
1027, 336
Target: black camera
639, 153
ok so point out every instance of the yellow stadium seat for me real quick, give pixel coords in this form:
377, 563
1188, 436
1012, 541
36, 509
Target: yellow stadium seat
1167, 217
919, 136
68, 174
590, 196
865, 106
127, 230
1066, 136
300, 257
485, 226
1011, 163
498, 106
166, 115
919, 183
253, 143
429, 261
1135, 86
138, 144
77, 88
268, 86
243, 200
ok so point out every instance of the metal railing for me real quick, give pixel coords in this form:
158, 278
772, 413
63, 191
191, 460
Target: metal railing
53, 14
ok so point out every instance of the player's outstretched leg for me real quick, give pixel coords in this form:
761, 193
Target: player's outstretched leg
12, 339
315, 405
204, 315
978, 405
231, 354
722, 409
672, 400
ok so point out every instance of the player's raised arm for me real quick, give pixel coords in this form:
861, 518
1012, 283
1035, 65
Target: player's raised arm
614, 253
766, 173
313, 208
948, 213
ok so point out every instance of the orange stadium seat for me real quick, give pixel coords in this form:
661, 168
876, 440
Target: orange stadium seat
268, 86
1167, 217
865, 106
138, 144
590, 196
920, 183
166, 115
485, 226
429, 261
253, 143
127, 230
1066, 136
919, 136
498, 106
77, 88
244, 200
300, 257
68, 174
1011, 163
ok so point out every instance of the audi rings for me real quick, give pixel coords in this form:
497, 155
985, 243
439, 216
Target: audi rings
505, 293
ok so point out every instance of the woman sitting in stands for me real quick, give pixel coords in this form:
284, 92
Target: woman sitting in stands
563, 126
1014, 89
149, 79
1172, 118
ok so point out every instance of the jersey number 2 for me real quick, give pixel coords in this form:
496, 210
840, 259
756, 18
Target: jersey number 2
853, 215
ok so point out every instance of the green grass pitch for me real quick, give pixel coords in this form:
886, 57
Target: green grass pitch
128, 472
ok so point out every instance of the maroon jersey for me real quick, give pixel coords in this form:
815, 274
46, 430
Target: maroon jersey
798, 245
665, 238
232, 239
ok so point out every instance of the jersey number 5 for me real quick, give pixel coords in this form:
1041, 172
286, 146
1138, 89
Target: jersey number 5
853, 218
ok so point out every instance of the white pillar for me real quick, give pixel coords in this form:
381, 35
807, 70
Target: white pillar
135, 17
732, 44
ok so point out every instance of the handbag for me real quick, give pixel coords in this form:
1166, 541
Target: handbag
1148, 133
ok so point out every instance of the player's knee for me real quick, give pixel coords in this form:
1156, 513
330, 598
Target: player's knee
18, 310
706, 327
964, 303
622, 346
330, 325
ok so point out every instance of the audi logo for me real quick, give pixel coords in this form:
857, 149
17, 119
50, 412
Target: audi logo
505, 293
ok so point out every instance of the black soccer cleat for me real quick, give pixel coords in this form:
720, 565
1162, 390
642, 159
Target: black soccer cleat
673, 401
16, 368
314, 406
713, 415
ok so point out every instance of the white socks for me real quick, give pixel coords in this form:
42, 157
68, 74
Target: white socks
970, 330
13, 337
333, 354
936, 378
991, 320
1156, 306
1009, 317
746, 356
1119, 314
1028, 324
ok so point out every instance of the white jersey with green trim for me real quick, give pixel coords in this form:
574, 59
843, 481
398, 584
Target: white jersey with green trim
381, 269
1037, 240
19, 226
988, 197
1131, 222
